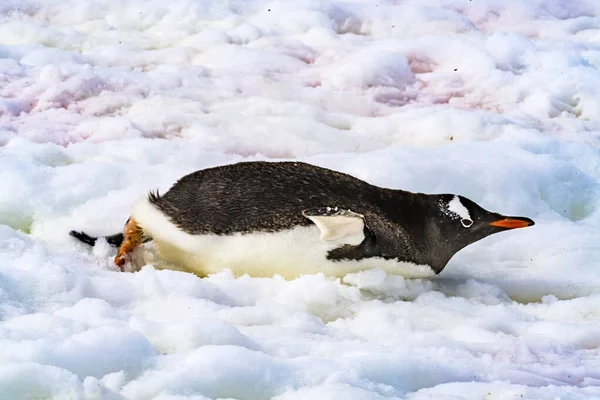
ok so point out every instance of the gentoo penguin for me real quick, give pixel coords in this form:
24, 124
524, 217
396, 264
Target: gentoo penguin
292, 218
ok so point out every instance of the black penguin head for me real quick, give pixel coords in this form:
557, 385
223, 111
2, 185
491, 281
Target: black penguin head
458, 222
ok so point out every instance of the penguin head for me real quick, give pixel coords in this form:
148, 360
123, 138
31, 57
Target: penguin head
459, 222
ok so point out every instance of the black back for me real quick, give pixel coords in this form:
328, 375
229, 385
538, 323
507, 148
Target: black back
261, 196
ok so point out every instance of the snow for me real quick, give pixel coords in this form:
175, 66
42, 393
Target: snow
496, 100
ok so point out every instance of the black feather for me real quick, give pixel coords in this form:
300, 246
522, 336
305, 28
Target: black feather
113, 240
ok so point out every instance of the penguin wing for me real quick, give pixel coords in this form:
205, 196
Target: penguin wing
337, 224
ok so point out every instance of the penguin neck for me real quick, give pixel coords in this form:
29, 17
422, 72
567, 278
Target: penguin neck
415, 214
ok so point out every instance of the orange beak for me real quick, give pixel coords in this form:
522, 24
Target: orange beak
513, 222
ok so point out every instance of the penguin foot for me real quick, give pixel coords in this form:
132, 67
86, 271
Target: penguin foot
133, 261
132, 238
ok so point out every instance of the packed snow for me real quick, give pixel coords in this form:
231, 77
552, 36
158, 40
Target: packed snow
495, 100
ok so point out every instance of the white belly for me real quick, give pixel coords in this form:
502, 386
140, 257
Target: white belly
288, 253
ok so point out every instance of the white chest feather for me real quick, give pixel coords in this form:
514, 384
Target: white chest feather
289, 253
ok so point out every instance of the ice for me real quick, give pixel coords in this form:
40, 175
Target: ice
495, 100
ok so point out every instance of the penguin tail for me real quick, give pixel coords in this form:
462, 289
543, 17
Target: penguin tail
118, 238
114, 240
153, 196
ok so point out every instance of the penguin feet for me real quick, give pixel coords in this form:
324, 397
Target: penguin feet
132, 239
133, 261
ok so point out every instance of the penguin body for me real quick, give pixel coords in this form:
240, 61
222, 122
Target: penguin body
293, 218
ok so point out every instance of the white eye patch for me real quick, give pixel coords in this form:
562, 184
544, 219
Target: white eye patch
457, 210
456, 207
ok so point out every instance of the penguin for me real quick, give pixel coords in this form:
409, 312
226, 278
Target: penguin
293, 218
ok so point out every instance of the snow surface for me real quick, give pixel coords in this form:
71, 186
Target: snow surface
496, 100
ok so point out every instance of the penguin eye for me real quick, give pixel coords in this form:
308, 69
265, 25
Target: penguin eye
466, 222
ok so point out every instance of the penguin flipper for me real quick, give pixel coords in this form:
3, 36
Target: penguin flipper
337, 224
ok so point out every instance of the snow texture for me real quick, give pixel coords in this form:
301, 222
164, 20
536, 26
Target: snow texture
496, 100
